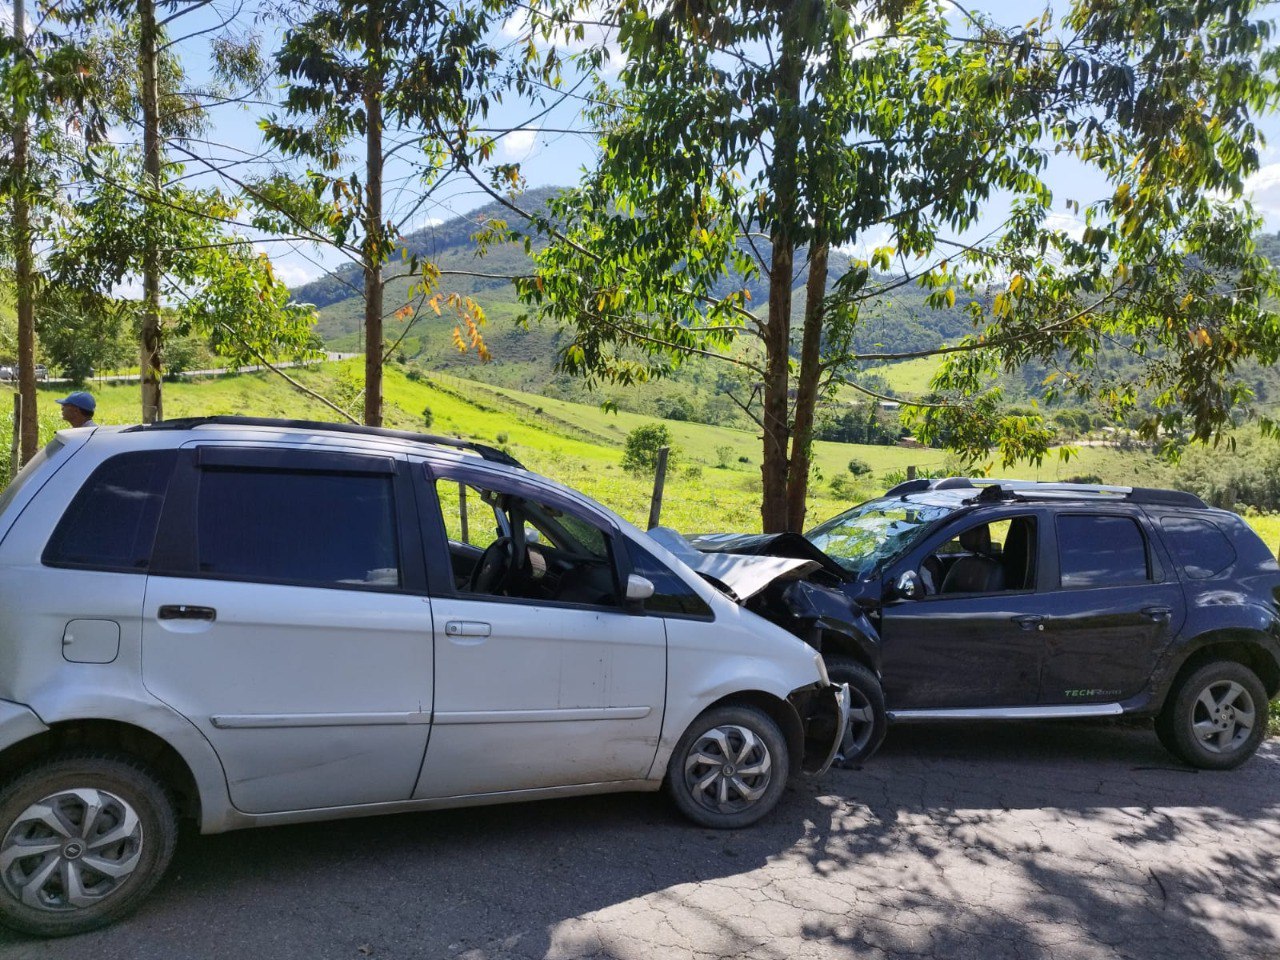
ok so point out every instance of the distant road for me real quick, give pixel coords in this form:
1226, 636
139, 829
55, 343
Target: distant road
215, 372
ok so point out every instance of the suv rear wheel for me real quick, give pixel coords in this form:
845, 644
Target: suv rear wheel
1216, 718
729, 769
83, 840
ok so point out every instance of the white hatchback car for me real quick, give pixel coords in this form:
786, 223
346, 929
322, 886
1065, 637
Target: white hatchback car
249, 622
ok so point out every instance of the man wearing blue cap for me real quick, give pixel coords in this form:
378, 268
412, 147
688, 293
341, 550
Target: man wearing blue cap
77, 409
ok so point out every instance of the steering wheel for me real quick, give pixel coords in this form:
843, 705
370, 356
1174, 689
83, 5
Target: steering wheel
493, 568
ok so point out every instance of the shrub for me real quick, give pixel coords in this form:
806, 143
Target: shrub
640, 452
844, 489
428, 418
744, 459
858, 467
722, 456
502, 438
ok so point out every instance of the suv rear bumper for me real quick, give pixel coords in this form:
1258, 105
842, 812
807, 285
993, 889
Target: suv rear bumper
17, 723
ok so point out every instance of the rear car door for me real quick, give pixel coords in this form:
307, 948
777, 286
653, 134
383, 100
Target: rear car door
286, 616
1117, 605
544, 679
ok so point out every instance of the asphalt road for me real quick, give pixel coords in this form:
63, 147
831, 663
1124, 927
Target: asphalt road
1036, 841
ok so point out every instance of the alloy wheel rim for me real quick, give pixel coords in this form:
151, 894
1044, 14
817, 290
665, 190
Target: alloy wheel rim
71, 850
1223, 717
728, 769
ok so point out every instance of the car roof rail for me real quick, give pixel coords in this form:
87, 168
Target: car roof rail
1038, 490
189, 423
923, 483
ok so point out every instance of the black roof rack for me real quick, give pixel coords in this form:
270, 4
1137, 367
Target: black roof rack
1037, 490
996, 490
188, 423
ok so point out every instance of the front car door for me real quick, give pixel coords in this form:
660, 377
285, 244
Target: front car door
975, 641
286, 616
544, 678
1118, 604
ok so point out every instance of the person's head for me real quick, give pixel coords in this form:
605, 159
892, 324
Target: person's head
77, 408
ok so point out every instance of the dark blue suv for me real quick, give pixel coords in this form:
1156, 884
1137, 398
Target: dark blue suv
1011, 600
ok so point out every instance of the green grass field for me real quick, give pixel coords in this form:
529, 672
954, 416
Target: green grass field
581, 445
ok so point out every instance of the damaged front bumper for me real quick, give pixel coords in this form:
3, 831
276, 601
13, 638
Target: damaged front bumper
823, 709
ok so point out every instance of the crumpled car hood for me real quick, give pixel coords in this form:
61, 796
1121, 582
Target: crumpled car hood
745, 576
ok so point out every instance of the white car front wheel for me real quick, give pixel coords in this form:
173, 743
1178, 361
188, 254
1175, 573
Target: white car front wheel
730, 768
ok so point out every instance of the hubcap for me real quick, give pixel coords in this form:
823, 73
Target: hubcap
71, 850
1223, 717
728, 769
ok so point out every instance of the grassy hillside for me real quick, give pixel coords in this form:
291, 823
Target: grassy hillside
714, 483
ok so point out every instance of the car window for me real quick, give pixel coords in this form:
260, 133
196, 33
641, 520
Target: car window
307, 528
1098, 551
111, 522
468, 519
986, 557
502, 544
1199, 546
671, 595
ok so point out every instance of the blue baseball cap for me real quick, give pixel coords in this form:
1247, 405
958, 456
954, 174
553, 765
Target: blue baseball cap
80, 399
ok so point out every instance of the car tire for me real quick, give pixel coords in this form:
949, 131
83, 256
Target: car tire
101, 830
730, 768
868, 721
1216, 718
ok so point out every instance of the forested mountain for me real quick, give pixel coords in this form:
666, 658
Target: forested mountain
899, 322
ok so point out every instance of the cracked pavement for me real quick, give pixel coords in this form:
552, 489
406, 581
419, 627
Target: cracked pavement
987, 842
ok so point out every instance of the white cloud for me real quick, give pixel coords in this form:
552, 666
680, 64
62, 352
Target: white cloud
518, 26
293, 275
1264, 188
1072, 226
518, 144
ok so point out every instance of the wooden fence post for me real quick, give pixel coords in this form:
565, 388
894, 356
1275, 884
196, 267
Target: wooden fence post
911, 472
462, 511
16, 446
659, 480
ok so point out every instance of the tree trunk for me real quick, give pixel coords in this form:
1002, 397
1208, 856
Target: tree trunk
777, 333
807, 386
149, 356
29, 427
374, 245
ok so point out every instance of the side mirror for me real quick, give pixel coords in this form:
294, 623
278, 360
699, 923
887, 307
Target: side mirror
638, 588
909, 586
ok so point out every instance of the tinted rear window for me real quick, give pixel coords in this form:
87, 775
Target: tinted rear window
111, 523
1096, 551
1198, 545
311, 529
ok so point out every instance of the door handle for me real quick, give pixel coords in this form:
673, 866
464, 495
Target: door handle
1030, 622
1158, 614
181, 611
467, 628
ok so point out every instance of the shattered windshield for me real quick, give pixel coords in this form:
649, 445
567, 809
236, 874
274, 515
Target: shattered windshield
862, 539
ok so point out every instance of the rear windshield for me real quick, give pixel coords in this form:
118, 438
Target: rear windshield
30, 470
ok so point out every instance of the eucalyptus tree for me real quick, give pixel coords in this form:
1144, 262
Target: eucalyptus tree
151, 206
744, 137
407, 80
47, 103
